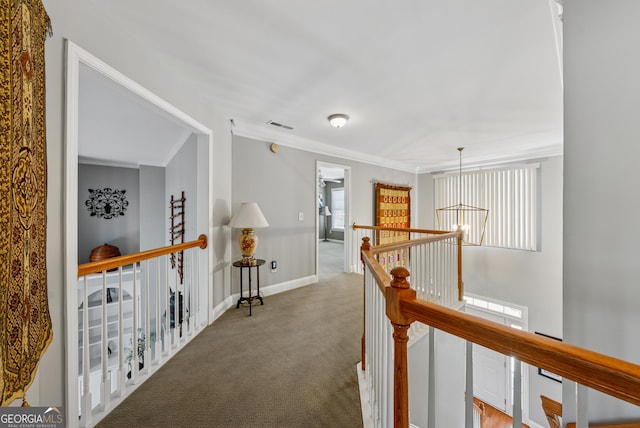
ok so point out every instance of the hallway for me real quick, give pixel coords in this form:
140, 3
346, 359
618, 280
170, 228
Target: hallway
291, 364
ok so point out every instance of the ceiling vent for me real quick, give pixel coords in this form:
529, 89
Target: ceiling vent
279, 125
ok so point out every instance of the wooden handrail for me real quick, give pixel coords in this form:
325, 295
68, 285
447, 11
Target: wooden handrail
382, 278
414, 242
612, 376
129, 259
618, 378
355, 226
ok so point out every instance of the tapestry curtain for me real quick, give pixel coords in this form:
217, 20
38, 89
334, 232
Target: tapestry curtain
25, 323
393, 209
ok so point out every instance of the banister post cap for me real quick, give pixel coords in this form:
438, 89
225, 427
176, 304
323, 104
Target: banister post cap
400, 275
399, 290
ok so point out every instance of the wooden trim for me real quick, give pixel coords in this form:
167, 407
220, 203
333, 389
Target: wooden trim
398, 290
381, 277
129, 259
355, 226
618, 378
413, 243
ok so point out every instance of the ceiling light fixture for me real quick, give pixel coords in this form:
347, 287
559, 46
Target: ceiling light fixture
338, 120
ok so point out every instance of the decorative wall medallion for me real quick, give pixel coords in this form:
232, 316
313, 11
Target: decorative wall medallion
107, 203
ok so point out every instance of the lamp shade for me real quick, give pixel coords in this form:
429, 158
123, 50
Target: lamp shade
249, 216
325, 211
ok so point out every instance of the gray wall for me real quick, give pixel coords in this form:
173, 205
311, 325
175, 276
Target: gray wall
527, 278
601, 268
153, 221
122, 231
181, 175
283, 184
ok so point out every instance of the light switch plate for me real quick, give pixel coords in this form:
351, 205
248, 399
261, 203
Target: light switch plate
300, 216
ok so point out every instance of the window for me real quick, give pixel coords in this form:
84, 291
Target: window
337, 210
510, 195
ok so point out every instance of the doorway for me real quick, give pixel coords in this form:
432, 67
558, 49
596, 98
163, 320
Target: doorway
493, 372
332, 225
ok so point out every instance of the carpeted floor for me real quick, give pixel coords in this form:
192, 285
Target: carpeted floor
291, 364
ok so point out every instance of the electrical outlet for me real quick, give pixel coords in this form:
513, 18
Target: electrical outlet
274, 265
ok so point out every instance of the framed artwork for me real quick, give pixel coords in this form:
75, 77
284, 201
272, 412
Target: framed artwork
393, 209
107, 203
547, 373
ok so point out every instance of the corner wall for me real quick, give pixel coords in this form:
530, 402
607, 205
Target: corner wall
601, 256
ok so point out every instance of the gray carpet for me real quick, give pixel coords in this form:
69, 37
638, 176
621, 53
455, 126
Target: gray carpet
291, 364
331, 259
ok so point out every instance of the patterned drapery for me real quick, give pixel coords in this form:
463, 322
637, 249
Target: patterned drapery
25, 323
393, 209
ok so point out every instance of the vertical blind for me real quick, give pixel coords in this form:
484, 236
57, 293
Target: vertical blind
510, 195
337, 210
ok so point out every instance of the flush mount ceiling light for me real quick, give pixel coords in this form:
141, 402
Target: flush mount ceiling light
338, 120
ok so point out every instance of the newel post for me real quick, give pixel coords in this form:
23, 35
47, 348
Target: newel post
366, 246
397, 291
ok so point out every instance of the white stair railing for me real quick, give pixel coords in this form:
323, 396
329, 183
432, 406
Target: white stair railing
134, 313
378, 358
617, 379
434, 259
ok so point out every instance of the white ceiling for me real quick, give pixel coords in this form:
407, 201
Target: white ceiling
418, 78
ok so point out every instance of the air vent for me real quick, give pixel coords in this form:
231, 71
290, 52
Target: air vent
279, 125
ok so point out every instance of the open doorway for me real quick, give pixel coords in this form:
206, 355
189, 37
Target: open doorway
332, 230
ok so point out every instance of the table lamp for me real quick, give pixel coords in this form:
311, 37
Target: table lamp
248, 217
326, 213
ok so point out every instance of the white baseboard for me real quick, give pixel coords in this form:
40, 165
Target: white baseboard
270, 290
533, 424
222, 307
365, 402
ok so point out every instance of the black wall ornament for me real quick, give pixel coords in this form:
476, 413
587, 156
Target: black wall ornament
107, 203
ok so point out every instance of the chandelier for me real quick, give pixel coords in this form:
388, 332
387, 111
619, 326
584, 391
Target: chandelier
472, 221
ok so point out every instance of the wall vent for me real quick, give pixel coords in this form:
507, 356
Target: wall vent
279, 125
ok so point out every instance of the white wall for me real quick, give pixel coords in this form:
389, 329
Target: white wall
119, 46
601, 256
527, 278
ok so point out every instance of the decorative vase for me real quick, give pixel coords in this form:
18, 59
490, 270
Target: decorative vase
248, 242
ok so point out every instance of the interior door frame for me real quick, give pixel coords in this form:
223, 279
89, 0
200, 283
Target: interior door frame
509, 321
347, 215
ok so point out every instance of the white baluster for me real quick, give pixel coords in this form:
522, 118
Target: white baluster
122, 368
147, 319
582, 406
159, 334
86, 407
134, 334
517, 393
468, 398
106, 377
